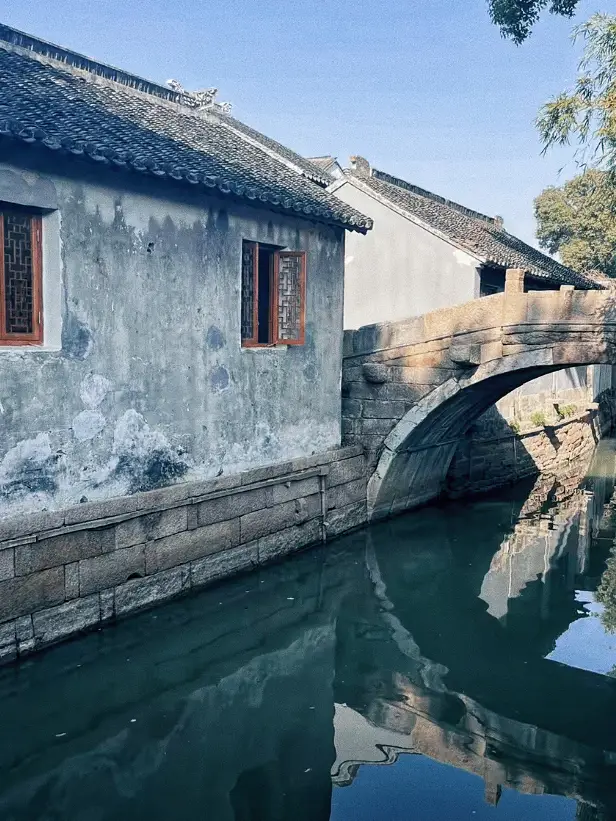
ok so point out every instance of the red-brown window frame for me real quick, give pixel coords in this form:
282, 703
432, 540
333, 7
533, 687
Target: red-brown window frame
36, 335
253, 342
278, 255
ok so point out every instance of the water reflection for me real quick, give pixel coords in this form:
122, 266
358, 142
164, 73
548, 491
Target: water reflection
431, 667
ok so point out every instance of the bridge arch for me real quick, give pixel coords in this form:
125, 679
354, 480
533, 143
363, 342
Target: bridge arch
480, 352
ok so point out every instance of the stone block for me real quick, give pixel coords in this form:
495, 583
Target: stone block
375, 373
465, 355
363, 390
291, 539
71, 581
7, 633
344, 495
27, 524
7, 564
162, 497
295, 489
420, 376
380, 427
23, 629
352, 372
236, 504
404, 391
140, 593
263, 522
263, 474
151, 526
375, 409
107, 604
346, 471
350, 427
110, 569
327, 457
340, 520
63, 549
66, 619
104, 509
351, 407
190, 545
222, 565
206, 486
26, 594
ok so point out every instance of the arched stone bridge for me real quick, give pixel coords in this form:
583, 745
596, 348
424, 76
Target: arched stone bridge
412, 388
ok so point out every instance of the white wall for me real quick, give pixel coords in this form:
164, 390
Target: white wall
399, 269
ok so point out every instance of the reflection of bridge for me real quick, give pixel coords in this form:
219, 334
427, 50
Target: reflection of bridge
412, 388
233, 693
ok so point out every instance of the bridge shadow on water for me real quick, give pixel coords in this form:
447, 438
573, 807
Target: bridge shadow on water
260, 699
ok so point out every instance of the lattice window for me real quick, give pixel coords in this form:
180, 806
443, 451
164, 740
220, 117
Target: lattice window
273, 296
249, 291
20, 277
291, 270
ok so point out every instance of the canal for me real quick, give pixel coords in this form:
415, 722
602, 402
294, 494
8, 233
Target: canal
454, 663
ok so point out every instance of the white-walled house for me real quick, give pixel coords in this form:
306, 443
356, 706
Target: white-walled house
426, 252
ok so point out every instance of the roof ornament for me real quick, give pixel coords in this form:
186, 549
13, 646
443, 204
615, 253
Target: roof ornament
202, 100
360, 166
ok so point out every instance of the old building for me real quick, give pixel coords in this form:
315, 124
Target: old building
427, 252
171, 292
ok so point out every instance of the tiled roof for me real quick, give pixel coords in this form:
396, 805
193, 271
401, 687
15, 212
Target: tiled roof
59, 100
481, 235
324, 163
308, 167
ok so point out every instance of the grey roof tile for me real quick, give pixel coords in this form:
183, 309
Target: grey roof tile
51, 98
481, 235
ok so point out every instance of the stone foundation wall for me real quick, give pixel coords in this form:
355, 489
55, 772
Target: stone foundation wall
495, 454
62, 572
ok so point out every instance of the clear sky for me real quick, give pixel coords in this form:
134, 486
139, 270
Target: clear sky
428, 90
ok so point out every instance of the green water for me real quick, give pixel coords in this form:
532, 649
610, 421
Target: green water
449, 664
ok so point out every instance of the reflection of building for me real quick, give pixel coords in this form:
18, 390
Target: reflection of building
551, 536
503, 752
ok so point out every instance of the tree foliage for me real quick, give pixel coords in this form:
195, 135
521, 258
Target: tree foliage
578, 221
606, 595
516, 18
587, 113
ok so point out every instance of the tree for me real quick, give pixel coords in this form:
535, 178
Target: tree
578, 221
517, 17
606, 594
588, 112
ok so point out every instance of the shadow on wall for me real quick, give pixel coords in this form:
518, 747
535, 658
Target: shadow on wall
495, 452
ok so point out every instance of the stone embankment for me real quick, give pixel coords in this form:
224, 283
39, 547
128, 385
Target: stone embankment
486, 462
67, 571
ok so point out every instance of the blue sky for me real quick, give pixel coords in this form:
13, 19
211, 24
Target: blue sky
425, 90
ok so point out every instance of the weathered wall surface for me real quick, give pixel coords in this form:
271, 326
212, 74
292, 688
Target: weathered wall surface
143, 380
399, 270
66, 571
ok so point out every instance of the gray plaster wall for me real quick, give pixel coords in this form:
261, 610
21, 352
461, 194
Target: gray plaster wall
142, 380
399, 269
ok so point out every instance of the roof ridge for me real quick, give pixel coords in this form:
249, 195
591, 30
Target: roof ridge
75, 59
422, 192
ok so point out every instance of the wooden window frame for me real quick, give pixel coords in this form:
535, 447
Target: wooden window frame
278, 255
253, 342
36, 335
274, 273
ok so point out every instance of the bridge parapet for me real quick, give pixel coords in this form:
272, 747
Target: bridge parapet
417, 385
